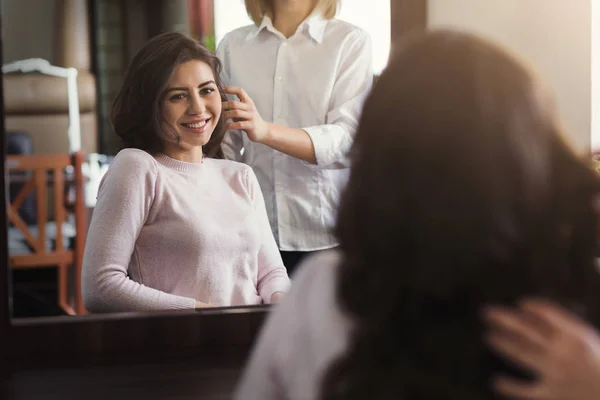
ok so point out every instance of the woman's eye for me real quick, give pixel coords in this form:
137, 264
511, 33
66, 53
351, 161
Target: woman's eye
207, 90
178, 97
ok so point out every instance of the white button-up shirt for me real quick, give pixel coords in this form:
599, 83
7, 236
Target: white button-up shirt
316, 80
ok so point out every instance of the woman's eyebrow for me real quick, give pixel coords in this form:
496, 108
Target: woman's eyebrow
186, 89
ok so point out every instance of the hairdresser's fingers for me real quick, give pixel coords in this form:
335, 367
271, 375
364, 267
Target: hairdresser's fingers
515, 350
241, 125
237, 114
520, 390
521, 326
239, 92
235, 105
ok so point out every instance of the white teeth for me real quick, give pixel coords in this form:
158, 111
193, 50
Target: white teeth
196, 125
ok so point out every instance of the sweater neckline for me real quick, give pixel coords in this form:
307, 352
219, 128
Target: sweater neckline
182, 166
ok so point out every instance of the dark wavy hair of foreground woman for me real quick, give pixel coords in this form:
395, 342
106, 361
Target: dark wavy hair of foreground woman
462, 193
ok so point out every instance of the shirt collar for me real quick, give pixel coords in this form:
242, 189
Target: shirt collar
265, 23
315, 24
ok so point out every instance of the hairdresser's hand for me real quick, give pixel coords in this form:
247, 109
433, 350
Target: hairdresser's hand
276, 297
560, 348
245, 116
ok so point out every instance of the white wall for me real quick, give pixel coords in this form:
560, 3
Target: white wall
229, 15
554, 36
371, 15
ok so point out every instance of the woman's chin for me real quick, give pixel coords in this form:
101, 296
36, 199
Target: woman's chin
197, 140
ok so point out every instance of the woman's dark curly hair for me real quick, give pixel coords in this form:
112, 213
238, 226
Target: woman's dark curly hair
136, 112
461, 193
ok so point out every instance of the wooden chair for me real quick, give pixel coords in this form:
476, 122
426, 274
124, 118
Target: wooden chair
45, 171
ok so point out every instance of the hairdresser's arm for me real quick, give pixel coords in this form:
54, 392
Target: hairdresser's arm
324, 145
560, 348
291, 141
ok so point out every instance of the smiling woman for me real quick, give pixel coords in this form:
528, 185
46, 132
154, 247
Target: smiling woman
191, 111
168, 69
175, 226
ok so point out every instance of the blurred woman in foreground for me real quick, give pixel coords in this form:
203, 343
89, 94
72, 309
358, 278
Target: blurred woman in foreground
462, 194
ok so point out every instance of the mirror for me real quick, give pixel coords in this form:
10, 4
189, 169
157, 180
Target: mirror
59, 85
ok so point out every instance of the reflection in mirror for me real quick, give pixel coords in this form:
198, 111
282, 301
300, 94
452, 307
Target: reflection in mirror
166, 223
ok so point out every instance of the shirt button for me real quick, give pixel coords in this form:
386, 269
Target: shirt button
279, 78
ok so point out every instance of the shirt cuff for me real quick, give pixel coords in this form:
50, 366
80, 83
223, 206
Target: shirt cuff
331, 143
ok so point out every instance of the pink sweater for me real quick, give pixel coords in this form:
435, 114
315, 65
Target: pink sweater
165, 233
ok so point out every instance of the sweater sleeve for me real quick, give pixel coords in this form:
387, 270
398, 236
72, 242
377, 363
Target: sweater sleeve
124, 200
272, 275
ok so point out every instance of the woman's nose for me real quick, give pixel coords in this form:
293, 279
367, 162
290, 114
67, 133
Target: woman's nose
196, 105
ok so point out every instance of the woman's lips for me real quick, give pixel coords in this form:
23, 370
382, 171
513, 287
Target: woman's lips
197, 127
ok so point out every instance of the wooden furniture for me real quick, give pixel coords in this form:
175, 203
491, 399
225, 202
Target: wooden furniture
45, 172
166, 380
169, 355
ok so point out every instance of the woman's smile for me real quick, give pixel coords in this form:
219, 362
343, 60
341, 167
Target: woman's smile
197, 126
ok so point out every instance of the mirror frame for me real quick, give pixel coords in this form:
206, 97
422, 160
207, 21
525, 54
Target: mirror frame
223, 335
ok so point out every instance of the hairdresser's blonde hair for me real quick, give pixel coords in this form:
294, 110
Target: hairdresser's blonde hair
258, 8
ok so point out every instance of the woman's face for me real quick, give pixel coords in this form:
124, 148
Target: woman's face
191, 106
